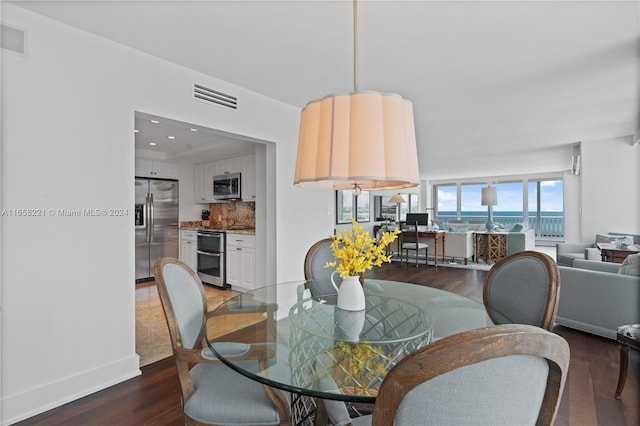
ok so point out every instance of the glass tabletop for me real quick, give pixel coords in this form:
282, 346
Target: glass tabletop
308, 346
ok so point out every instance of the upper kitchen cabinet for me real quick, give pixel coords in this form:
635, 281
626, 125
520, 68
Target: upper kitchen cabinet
204, 182
249, 177
229, 165
156, 169
204, 173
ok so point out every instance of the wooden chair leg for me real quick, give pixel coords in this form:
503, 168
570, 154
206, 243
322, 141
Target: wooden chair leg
624, 364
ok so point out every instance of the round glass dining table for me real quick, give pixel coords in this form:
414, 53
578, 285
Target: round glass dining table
314, 349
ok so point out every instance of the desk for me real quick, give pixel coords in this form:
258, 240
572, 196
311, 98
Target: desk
610, 252
436, 235
312, 344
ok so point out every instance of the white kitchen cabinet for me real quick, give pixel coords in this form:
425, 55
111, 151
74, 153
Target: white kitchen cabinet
241, 260
229, 165
203, 184
249, 177
188, 247
156, 169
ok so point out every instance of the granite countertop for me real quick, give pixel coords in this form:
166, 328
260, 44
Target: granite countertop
195, 225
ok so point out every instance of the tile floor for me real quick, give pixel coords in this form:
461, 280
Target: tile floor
152, 335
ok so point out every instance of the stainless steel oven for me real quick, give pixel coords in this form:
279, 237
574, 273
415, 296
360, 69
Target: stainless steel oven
211, 257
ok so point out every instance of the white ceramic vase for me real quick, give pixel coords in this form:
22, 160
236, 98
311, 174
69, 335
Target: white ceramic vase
349, 324
350, 294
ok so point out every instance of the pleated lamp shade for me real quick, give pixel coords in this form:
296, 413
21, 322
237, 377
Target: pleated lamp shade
363, 138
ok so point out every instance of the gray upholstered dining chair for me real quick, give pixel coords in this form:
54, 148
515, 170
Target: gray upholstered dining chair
318, 275
212, 393
411, 242
523, 288
502, 375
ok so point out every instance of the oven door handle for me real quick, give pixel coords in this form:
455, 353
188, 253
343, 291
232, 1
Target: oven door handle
206, 253
208, 235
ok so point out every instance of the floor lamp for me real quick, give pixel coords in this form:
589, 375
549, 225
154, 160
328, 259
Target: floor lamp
490, 198
398, 199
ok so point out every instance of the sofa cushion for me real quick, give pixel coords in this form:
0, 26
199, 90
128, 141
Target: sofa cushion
631, 265
459, 228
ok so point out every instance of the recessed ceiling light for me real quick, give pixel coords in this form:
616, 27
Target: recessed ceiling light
136, 130
171, 137
193, 130
152, 143
155, 121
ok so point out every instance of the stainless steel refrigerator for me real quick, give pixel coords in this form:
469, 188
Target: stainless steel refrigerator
156, 223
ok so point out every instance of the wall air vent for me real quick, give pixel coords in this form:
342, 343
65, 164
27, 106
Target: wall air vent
214, 96
13, 39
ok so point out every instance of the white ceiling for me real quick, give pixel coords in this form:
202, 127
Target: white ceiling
488, 80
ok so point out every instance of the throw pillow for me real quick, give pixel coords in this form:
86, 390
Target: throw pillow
631, 265
606, 238
518, 227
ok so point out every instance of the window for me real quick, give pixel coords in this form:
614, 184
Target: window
535, 201
446, 200
348, 205
384, 210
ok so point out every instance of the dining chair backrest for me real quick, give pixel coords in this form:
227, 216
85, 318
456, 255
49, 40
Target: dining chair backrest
314, 269
501, 375
184, 301
523, 288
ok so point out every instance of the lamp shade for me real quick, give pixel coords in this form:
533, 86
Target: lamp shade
397, 198
489, 196
363, 138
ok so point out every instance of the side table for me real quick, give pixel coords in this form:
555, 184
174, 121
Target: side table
628, 336
491, 246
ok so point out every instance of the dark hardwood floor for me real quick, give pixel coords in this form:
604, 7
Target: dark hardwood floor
154, 397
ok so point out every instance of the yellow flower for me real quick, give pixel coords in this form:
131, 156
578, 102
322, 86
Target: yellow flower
356, 251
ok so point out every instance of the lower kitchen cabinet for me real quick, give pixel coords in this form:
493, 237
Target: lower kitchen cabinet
188, 247
241, 261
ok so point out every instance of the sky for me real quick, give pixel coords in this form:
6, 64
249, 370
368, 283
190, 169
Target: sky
510, 197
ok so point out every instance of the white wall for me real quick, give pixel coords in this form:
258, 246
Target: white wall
68, 313
610, 187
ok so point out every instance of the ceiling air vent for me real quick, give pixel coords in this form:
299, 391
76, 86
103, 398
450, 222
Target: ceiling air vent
214, 96
13, 39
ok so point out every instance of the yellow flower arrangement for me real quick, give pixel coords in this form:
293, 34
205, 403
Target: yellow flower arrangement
356, 251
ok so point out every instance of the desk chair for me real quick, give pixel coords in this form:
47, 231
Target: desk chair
411, 242
502, 375
212, 393
523, 288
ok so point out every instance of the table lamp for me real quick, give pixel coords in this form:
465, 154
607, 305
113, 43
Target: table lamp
490, 198
398, 199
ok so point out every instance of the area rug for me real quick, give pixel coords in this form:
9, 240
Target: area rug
448, 262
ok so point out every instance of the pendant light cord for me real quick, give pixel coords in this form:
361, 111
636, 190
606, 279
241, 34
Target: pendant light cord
355, 46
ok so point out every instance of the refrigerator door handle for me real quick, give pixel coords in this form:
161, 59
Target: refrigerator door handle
152, 220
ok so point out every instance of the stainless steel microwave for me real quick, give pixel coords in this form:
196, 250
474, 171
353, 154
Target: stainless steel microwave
227, 186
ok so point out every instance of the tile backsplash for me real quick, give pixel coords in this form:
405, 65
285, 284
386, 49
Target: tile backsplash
236, 213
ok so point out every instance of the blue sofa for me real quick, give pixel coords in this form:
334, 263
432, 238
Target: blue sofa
597, 297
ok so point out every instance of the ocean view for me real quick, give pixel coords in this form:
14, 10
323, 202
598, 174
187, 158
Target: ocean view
551, 224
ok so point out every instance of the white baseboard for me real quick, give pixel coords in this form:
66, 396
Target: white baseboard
38, 400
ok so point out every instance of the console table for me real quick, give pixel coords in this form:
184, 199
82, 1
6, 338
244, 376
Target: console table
611, 252
491, 246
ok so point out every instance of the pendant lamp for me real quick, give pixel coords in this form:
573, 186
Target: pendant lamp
360, 140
